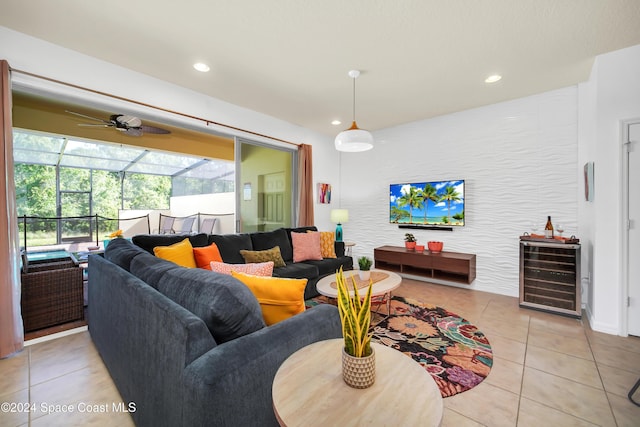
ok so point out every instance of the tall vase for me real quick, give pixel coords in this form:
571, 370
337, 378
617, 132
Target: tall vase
359, 372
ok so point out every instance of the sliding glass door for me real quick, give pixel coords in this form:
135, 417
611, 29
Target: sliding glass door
266, 188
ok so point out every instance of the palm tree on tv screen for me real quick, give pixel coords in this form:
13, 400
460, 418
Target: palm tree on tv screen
397, 214
450, 195
411, 198
429, 193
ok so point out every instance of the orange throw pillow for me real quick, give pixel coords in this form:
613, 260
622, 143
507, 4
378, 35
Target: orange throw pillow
279, 297
205, 255
180, 253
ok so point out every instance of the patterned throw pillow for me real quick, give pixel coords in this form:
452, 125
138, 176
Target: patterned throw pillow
306, 246
180, 253
279, 298
205, 255
258, 269
327, 243
272, 254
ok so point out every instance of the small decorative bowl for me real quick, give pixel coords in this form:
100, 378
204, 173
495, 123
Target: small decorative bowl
419, 248
435, 246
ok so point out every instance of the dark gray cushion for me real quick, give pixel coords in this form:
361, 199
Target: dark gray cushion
331, 265
230, 246
297, 270
150, 269
121, 252
226, 305
299, 230
150, 241
268, 239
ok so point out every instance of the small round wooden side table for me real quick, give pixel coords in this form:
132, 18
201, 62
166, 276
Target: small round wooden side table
308, 390
382, 288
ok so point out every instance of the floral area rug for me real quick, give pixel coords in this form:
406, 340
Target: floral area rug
456, 354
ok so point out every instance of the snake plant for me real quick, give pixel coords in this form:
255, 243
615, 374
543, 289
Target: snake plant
355, 315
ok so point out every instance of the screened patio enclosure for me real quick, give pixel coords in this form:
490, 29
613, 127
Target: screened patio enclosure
64, 184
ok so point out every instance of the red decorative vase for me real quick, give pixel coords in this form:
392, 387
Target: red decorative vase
410, 245
435, 246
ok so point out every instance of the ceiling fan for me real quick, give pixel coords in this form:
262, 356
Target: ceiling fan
130, 125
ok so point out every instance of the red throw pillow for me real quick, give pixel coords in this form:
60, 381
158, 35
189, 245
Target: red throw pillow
205, 255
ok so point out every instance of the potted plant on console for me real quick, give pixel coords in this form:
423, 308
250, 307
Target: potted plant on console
358, 357
409, 241
365, 267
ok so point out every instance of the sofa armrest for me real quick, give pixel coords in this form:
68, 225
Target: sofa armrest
243, 369
339, 246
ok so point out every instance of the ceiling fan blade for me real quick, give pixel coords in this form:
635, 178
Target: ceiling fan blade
133, 131
153, 129
97, 125
88, 117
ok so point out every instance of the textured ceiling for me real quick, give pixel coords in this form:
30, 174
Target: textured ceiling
290, 58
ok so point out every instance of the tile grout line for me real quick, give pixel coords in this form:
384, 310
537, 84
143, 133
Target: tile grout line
606, 394
524, 364
29, 383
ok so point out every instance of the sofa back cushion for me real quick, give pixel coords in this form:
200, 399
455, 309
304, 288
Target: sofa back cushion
230, 246
269, 239
150, 241
150, 269
121, 252
226, 306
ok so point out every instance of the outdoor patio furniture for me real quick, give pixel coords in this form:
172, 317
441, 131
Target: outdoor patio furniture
51, 294
207, 225
166, 224
186, 226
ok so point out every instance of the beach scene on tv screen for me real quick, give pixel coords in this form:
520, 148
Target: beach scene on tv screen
427, 203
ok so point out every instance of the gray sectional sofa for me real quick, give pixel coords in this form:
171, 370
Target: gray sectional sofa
189, 346
230, 246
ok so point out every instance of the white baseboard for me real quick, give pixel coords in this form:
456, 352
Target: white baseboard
56, 336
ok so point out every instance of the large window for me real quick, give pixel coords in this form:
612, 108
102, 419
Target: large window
62, 177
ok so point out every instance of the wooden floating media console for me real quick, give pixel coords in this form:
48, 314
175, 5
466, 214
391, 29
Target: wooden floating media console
448, 266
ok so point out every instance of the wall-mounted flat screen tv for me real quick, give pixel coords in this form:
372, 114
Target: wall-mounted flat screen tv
435, 203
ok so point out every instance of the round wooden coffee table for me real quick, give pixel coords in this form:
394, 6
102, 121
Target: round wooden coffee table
381, 288
308, 390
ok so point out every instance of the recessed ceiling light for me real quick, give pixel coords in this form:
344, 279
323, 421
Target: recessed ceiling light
201, 67
493, 79
336, 122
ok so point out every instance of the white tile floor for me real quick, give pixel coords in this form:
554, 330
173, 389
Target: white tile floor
548, 370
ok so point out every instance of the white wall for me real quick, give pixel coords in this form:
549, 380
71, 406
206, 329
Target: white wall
615, 85
518, 160
219, 203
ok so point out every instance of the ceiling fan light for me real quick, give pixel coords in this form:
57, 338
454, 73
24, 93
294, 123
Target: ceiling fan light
354, 140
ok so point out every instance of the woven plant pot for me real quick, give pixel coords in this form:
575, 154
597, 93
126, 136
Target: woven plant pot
359, 372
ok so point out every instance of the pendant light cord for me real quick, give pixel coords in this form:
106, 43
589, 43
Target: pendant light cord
354, 99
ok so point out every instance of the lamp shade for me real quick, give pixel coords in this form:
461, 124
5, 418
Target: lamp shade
354, 140
339, 216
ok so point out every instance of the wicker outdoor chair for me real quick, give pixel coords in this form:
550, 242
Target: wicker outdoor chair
52, 294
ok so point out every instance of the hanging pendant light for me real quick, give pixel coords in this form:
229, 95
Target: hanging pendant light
354, 139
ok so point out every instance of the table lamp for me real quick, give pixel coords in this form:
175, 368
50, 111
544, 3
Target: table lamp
339, 216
